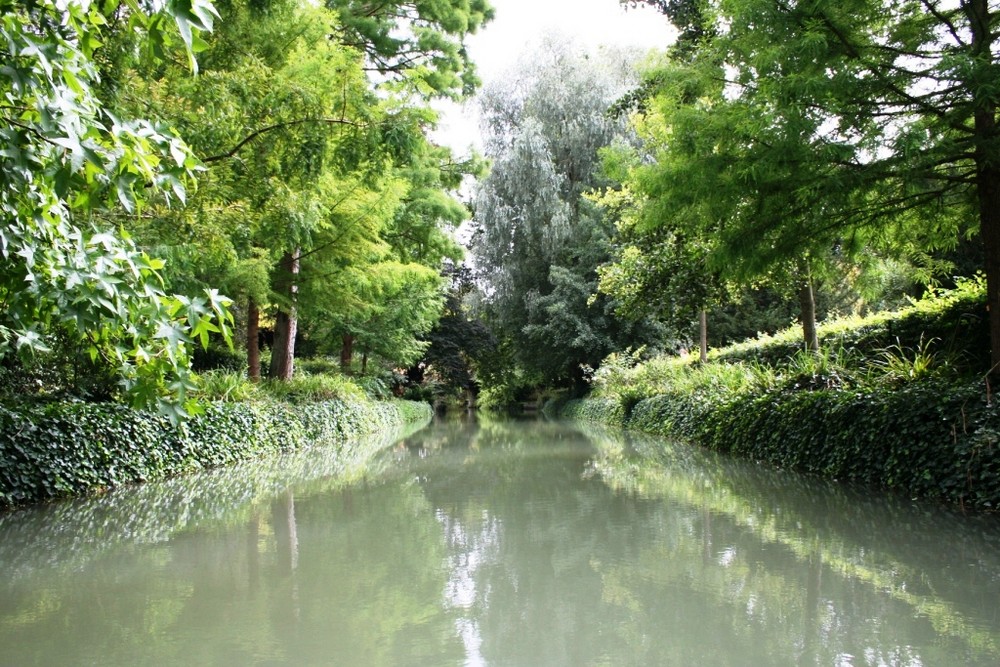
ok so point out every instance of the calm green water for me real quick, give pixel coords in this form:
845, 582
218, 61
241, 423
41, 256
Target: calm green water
502, 543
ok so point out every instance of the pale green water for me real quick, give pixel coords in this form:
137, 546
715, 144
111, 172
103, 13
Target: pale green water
510, 543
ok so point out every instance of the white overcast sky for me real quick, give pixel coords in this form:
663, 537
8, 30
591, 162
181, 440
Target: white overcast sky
520, 23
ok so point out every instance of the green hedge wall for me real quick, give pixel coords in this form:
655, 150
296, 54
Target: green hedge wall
603, 410
930, 438
61, 449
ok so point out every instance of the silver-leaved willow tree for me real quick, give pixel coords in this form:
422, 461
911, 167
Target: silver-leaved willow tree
538, 239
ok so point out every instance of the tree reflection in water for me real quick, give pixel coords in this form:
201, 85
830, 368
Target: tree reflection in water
498, 542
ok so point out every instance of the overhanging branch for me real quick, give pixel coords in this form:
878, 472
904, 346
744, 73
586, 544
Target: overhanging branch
277, 126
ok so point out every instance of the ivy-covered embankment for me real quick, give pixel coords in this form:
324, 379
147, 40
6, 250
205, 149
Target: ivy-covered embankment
62, 449
911, 418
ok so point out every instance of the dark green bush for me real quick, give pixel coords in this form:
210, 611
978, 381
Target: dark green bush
219, 357
59, 449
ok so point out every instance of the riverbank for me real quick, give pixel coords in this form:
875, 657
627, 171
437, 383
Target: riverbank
889, 401
54, 450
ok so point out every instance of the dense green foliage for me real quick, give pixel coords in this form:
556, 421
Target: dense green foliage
781, 138
420, 44
907, 416
929, 438
283, 175
459, 346
953, 322
71, 287
58, 449
325, 211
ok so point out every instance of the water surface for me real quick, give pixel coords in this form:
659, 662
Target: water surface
499, 543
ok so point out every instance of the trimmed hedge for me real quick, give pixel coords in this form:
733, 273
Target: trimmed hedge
931, 438
61, 449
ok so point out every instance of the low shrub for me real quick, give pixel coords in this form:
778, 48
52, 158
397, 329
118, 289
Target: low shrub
225, 386
954, 322
603, 410
318, 366
219, 357
304, 388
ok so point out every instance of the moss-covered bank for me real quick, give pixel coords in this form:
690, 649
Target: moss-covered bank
61, 449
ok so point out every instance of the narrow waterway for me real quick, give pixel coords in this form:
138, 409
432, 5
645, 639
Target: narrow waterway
499, 543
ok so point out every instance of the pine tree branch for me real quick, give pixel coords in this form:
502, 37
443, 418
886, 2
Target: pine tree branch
936, 13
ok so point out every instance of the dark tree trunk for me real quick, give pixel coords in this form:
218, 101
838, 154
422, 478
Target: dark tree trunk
346, 353
703, 336
364, 362
807, 313
253, 341
987, 173
988, 182
286, 322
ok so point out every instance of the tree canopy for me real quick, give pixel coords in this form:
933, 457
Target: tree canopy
538, 239
293, 173
787, 130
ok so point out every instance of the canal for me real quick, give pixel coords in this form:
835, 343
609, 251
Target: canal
499, 543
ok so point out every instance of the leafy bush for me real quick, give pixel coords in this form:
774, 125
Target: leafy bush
603, 410
954, 320
934, 437
225, 386
499, 398
376, 386
318, 366
218, 356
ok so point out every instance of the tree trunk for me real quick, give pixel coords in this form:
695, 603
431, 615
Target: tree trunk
703, 336
286, 322
807, 313
987, 174
988, 185
285, 529
364, 362
346, 353
253, 340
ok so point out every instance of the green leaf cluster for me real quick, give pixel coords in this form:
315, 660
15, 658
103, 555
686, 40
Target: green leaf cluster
790, 139
66, 162
324, 203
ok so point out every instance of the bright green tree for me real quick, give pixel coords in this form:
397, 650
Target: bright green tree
420, 44
312, 175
